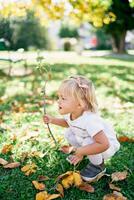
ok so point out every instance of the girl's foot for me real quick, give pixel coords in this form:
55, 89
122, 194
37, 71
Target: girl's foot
93, 172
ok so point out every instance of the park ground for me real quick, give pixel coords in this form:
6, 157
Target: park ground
22, 129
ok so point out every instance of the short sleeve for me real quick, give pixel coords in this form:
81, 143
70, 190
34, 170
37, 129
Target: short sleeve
94, 126
66, 117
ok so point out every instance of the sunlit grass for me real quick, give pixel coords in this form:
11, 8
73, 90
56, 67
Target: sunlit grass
21, 111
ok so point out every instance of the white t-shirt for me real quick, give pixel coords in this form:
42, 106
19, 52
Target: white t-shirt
88, 125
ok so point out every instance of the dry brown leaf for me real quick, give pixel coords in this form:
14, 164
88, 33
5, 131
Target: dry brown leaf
86, 187
12, 165
125, 139
114, 196
64, 175
7, 148
68, 181
43, 178
77, 179
118, 194
113, 187
60, 189
119, 176
42, 196
29, 169
53, 196
3, 162
38, 186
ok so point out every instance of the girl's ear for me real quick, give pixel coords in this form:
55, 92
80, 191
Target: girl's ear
83, 105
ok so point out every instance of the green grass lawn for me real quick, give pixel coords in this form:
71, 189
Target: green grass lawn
21, 114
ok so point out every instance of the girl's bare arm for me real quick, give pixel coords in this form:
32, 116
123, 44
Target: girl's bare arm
100, 145
53, 120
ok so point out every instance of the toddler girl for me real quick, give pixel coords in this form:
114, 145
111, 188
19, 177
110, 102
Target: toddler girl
86, 131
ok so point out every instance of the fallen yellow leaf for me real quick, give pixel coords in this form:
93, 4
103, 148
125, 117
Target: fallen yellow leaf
36, 154
53, 196
12, 165
42, 196
68, 181
29, 169
60, 189
3, 162
25, 168
77, 179
38, 186
45, 196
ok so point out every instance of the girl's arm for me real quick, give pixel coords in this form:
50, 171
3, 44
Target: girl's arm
100, 145
53, 120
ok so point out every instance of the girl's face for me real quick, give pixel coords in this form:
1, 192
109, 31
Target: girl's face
68, 104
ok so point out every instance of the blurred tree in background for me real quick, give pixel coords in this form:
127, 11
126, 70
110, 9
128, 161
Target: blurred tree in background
104, 40
24, 32
115, 17
124, 11
68, 31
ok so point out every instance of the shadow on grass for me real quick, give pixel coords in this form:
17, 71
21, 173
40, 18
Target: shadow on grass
117, 79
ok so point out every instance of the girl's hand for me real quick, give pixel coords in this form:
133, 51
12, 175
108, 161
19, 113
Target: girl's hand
47, 119
67, 149
74, 159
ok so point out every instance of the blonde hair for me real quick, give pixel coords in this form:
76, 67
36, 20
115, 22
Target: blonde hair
82, 89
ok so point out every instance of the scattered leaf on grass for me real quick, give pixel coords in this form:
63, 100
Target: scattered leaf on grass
7, 148
125, 139
86, 187
64, 175
119, 176
3, 162
113, 187
53, 196
41, 195
36, 154
77, 179
29, 169
114, 196
45, 196
68, 181
38, 186
12, 165
60, 189
43, 178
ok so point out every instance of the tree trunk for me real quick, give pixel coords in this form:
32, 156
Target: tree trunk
118, 42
